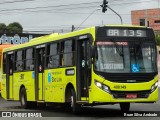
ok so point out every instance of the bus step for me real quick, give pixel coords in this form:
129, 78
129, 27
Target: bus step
82, 102
40, 101
11, 99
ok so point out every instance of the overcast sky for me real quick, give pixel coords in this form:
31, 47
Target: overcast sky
55, 15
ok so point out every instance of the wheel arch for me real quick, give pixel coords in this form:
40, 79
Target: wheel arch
68, 91
22, 86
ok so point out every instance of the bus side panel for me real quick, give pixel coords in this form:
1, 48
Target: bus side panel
0, 75
55, 84
11, 86
40, 90
54, 81
27, 80
3, 86
16, 86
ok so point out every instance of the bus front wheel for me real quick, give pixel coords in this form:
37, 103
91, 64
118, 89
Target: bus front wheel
125, 107
74, 106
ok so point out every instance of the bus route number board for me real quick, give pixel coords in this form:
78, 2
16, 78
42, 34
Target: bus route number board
126, 32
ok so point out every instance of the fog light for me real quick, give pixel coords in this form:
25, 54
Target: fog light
106, 88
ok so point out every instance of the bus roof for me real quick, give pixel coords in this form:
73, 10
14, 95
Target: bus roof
56, 36
126, 25
51, 37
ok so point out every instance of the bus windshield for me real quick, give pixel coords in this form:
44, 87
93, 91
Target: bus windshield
125, 57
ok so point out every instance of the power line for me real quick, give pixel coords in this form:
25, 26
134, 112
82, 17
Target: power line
61, 7
56, 9
32, 8
20, 1
16, 1
134, 2
61, 12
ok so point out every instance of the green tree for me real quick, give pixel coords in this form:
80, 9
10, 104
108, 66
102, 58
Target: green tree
158, 39
14, 27
3, 28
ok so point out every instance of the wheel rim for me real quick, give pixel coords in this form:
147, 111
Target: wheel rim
23, 99
72, 101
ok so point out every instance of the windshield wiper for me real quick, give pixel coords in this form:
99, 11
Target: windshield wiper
118, 49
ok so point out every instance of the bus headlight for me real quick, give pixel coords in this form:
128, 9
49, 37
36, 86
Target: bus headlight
98, 84
154, 86
102, 86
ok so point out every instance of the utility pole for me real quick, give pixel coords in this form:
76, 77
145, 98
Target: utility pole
73, 28
61, 30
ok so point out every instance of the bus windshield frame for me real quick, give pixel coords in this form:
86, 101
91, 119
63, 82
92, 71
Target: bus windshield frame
125, 56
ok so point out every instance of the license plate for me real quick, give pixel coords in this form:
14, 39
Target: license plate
130, 96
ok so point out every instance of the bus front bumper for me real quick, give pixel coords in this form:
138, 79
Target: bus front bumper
124, 96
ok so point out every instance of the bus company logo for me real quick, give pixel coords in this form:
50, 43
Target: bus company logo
49, 77
21, 76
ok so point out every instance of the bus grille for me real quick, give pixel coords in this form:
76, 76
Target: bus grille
123, 94
128, 77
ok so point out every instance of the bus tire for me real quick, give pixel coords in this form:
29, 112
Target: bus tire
125, 107
23, 98
76, 108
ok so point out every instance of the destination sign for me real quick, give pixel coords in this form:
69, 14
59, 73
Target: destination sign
126, 32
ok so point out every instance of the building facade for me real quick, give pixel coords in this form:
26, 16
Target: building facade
147, 17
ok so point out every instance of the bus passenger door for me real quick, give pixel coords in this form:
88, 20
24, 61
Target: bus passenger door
9, 75
39, 72
83, 69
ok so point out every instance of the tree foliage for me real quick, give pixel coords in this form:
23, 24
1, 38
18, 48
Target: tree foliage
157, 39
2, 28
14, 27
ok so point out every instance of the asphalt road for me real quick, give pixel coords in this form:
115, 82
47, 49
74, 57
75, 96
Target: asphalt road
96, 112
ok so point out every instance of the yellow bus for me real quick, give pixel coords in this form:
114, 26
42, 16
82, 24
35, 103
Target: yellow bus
1, 48
112, 64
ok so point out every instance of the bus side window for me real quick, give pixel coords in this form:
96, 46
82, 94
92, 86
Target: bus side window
62, 54
19, 61
69, 52
29, 63
4, 63
53, 55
